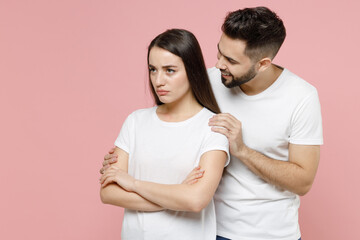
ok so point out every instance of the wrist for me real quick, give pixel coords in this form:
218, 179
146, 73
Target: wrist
136, 185
243, 152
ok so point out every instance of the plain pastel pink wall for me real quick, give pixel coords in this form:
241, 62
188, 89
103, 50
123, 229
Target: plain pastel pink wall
72, 70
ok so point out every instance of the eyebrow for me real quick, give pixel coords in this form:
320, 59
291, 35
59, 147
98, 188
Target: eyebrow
227, 57
165, 66
169, 66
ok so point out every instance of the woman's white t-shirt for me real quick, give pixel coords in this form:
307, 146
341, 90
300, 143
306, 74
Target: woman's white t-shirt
166, 152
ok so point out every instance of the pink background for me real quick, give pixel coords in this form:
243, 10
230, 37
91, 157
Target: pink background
72, 70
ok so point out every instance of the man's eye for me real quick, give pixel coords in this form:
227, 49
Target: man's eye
231, 61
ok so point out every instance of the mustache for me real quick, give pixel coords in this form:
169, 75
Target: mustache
225, 72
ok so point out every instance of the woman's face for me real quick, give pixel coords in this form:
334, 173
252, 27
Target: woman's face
168, 76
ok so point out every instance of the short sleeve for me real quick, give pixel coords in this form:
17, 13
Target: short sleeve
123, 140
306, 122
216, 141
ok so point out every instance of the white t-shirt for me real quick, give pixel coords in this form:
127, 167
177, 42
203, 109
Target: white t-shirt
166, 152
247, 207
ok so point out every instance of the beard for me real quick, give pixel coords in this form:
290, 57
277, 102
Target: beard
237, 81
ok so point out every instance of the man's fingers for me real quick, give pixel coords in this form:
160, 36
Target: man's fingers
221, 130
225, 115
225, 118
221, 123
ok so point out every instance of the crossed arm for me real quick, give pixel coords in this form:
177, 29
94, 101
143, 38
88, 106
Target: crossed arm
120, 189
115, 195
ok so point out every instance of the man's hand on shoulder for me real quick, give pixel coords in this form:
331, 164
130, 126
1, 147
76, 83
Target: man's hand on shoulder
231, 127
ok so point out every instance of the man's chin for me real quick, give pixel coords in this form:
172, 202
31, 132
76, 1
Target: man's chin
229, 83
226, 81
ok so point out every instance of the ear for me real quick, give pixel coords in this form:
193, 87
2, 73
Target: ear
263, 64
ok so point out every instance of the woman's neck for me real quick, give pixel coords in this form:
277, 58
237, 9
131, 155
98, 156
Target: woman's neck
179, 111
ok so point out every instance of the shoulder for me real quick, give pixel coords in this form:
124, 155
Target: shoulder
213, 140
141, 114
207, 113
295, 89
201, 120
297, 84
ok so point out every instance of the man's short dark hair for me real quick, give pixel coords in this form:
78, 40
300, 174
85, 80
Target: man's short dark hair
261, 29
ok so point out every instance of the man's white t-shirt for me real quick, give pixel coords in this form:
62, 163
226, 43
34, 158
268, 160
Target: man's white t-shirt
166, 152
248, 208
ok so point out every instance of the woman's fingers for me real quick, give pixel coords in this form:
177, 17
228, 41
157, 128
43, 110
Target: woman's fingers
110, 172
194, 175
108, 181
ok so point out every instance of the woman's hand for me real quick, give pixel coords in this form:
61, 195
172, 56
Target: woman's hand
118, 176
194, 176
109, 159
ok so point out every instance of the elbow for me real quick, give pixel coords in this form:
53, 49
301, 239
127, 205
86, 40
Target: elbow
104, 196
198, 204
303, 190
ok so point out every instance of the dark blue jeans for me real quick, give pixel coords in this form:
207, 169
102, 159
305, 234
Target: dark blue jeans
222, 238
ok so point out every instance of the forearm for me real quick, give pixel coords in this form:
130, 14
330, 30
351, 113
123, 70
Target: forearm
284, 174
185, 197
179, 197
113, 194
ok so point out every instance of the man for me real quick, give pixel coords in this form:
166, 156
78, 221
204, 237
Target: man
272, 120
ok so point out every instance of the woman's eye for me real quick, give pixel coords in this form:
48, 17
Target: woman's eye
152, 70
170, 70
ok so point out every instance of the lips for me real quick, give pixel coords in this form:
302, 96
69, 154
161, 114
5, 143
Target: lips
225, 74
162, 92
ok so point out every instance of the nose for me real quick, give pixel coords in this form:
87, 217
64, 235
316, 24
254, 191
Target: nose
159, 79
220, 63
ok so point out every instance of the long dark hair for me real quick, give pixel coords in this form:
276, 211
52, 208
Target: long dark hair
183, 44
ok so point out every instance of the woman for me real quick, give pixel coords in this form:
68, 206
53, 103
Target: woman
157, 147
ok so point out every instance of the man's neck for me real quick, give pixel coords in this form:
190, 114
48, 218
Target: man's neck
262, 81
